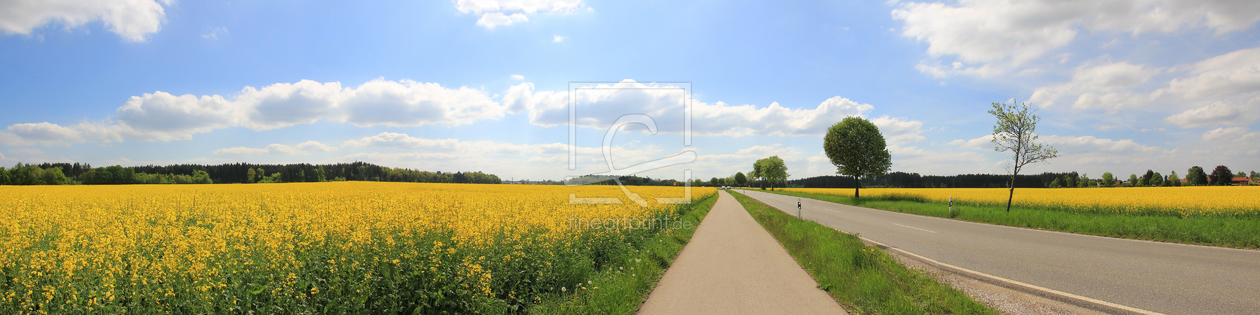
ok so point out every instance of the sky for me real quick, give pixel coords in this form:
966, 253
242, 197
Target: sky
532, 89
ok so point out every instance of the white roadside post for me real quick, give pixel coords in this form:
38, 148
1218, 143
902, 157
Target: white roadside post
798, 208
951, 206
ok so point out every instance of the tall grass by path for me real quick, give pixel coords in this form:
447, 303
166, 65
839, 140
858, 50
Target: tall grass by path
862, 278
624, 285
1225, 231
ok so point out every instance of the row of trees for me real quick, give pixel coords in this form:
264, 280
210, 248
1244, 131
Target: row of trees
770, 171
1220, 176
1194, 177
54, 174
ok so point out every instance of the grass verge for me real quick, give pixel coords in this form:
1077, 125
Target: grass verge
862, 278
624, 285
1201, 230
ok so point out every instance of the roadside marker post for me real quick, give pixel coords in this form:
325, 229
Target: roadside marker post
798, 208
951, 206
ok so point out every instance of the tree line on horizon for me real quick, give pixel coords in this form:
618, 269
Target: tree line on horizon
82, 173
1195, 177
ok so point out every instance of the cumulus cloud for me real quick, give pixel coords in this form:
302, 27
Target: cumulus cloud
1006, 34
1069, 144
162, 116
552, 155
1103, 86
518, 77
133, 20
496, 19
557, 39
48, 134
495, 13
601, 105
1216, 114
1233, 73
1235, 133
26, 151
276, 148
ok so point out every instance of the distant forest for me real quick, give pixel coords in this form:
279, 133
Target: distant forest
914, 180
77, 173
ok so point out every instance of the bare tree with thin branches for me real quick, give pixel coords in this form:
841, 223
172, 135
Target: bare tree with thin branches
1014, 132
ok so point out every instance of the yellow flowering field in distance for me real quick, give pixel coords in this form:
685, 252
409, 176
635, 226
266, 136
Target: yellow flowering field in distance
1182, 201
304, 247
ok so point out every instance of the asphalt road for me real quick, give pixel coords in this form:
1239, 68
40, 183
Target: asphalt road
1153, 276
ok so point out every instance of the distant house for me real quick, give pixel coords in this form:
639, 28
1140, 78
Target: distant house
1240, 181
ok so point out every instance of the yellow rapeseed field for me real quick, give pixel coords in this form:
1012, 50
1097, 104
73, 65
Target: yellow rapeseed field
304, 247
1199, 200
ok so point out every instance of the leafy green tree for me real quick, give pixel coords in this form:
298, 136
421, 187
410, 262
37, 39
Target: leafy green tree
1220, 176
1083, 181
1156, 180
1015, 132
740, 179
857, 149
249, 175
1146, 178
53, 176
1133, 180
1109, 180
757, 174
1054, 183
773, 170
1068, 181
1196, 177
1173, 180
4, 176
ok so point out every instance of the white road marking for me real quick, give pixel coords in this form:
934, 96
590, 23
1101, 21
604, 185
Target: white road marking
913, 228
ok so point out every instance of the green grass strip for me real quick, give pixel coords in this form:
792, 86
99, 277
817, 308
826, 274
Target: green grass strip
864, 279
1201, 230
624, 286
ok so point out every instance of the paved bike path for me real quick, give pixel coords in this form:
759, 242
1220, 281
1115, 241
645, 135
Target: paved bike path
733, 266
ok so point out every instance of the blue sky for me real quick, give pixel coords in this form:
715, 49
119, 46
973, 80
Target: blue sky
1121, 86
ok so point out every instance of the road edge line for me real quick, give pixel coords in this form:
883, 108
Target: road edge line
1052, 294
1094, 304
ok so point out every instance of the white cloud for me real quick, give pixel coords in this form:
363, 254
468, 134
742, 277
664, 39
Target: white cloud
26, 151
605, 103
496, 19
496, 13
1103, 86
546, 160
518, 77
299, 149
1233, 73
399, 140
161, 116
558, 39
1233, 133
214, 32
1013, 33
898, 131
48, 134
1217, 114
132, 20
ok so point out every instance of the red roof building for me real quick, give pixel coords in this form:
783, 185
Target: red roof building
1240, 181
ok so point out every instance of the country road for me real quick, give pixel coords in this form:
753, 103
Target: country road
1153, 276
